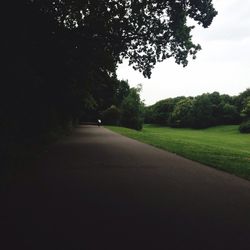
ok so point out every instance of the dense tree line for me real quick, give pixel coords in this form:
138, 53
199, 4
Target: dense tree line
201, 111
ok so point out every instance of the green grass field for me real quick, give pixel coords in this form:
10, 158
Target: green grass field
222, 147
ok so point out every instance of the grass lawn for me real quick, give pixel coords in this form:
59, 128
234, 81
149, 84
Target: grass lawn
222, 147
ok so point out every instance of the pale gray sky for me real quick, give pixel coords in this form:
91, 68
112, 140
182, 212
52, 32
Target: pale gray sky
222, 65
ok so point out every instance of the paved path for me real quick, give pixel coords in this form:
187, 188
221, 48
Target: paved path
99, 190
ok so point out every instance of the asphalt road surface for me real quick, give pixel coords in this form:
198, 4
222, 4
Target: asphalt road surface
99, 190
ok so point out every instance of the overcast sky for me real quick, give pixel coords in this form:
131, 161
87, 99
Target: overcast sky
222, 65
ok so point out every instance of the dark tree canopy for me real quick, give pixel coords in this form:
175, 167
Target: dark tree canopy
144, 31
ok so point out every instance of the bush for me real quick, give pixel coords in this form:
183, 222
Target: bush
245, 127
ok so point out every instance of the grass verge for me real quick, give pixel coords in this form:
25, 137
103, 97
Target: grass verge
222, 147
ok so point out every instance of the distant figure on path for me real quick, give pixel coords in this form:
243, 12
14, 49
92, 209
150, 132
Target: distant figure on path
99, 122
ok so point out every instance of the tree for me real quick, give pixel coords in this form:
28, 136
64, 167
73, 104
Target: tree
143, 31
148, 114
246, 110
230, 114
202, 112
182, 115
241, 99
245, 125
121, 92
162, 110
132, 110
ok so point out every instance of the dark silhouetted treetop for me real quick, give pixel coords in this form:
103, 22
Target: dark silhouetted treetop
143, 31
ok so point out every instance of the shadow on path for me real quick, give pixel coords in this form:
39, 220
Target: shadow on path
99, 190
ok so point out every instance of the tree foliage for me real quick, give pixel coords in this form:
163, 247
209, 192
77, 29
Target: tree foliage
246, 110
245, 113
161, 111
201, 111
132, 110
121, 92
143, 31
182, 115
